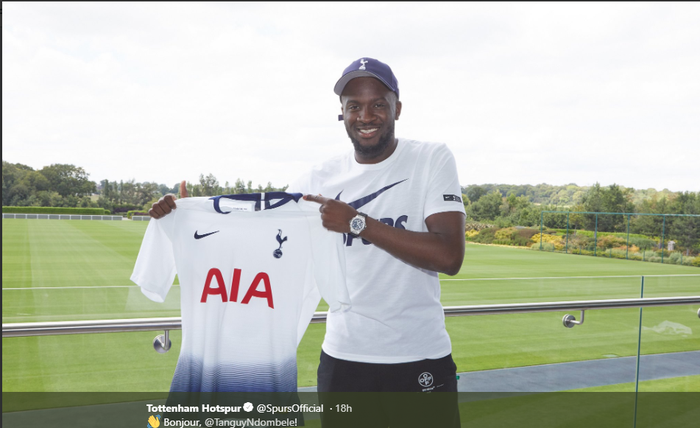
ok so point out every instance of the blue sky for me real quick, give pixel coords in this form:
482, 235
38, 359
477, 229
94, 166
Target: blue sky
522, 93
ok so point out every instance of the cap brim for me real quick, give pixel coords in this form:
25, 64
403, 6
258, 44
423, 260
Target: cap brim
340, 85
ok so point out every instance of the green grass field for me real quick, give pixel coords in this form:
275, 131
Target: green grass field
74, 270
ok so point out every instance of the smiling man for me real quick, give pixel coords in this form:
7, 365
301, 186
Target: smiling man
398, 204
409, 229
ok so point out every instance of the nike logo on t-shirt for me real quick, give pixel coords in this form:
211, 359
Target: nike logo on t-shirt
198, 236
369, 198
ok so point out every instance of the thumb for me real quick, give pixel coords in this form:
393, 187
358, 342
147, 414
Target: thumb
183, 189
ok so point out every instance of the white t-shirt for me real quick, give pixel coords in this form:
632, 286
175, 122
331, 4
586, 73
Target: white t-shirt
396, 314
250, 282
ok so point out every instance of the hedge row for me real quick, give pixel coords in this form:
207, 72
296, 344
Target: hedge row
650, 256
132, 213
124, 208
55, 210
591, 234
475, 225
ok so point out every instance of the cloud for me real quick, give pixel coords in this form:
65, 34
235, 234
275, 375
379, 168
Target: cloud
522, 93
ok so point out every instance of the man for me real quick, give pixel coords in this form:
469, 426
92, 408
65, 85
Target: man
394, 338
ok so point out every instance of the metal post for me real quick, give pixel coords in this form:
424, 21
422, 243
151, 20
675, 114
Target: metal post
663, 232
627, 255
541, 222
567, 232
639, 357
595, 248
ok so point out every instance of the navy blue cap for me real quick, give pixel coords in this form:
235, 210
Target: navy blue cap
368, 67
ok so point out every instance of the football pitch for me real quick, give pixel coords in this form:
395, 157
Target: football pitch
61, 270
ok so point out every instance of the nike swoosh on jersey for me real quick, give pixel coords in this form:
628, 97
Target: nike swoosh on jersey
357, 204
198, 236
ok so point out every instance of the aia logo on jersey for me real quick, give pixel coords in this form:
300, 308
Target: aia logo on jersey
278, 252
214, 274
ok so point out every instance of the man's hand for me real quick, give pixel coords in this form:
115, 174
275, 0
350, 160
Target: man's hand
167, 203
440, 249
335, 215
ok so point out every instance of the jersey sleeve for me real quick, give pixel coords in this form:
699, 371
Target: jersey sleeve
329, 266
444, 191
155, 269
325, 272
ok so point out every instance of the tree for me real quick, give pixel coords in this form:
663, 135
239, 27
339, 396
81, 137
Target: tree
106, 190
239, 188
68, 180
49, 199
686, 230
487, 208
18, 195
35, 181
164, 190
210, 185
513, 204
650, 225
474, 193
613, 199
12, 175
146, 192
127, 192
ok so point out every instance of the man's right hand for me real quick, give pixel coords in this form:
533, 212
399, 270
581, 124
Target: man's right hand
167, 203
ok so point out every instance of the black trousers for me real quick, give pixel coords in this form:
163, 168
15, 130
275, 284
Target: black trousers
416, 394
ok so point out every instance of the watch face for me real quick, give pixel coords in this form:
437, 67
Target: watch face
357, 224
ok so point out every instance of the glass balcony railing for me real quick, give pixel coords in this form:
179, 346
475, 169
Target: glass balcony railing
517, 361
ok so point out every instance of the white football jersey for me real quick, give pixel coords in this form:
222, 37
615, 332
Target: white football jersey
250, 269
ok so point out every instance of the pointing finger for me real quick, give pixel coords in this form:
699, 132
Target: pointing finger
315, 198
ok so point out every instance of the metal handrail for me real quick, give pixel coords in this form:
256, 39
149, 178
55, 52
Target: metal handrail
90, 326
582, 305
175, 323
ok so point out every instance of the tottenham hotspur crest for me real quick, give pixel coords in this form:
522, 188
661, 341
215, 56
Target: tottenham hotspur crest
278, 252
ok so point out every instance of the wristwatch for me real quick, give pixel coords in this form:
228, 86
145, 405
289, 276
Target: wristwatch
358, 224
